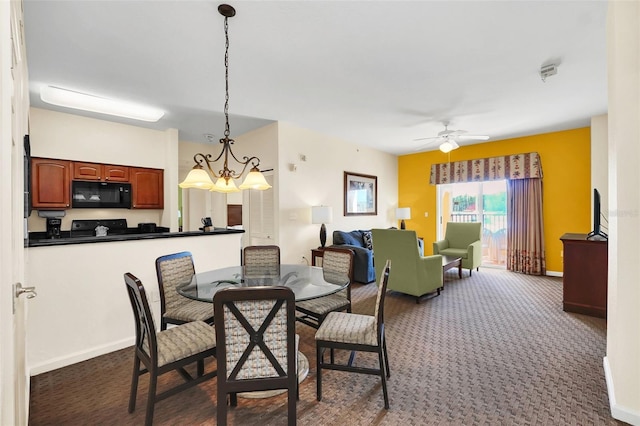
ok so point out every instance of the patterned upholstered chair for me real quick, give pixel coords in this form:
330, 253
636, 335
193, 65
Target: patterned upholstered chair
167, 350
337, 263
257, 350
261, 261
355, 332
172, 271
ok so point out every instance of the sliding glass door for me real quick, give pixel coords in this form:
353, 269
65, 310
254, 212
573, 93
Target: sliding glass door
484, 202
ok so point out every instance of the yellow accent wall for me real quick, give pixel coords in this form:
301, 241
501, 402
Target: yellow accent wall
566, 184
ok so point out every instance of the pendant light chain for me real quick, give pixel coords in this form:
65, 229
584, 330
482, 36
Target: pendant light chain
227, 132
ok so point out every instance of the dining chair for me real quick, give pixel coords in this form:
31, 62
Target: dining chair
355, 332
172, 271
261, 261
255, 332
166, 350
337, 265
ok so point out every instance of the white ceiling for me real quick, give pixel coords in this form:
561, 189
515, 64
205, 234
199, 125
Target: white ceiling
376, 73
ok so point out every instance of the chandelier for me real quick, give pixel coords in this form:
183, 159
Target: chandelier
198, 176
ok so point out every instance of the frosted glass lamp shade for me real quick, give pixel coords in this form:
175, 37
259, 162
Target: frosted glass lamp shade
223, 185
197, 178
448, 146
255, 180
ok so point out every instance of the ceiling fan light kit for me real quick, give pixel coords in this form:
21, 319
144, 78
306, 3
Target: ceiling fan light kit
449, 138
448, 146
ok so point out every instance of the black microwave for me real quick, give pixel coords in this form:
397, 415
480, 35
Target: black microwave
100, 195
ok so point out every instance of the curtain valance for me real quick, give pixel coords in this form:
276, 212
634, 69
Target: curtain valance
517, 166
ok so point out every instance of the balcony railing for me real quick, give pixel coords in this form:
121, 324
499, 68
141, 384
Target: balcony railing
494, 235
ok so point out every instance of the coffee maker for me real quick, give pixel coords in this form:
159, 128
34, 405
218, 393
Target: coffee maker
53, 227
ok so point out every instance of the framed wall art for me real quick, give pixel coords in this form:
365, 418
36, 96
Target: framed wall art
360, 194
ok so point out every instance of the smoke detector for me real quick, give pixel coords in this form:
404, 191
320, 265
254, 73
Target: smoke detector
548, 70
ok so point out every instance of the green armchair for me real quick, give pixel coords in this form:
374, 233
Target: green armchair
412, 273
462, 240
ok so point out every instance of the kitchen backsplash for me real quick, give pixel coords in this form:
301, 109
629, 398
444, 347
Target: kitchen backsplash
38, 224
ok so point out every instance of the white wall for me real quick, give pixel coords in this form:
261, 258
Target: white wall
72, 137
600, 161
622, 362
82, 309
319, 180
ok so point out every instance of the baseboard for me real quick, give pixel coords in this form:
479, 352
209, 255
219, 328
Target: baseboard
618, 412
553, 274
79, 356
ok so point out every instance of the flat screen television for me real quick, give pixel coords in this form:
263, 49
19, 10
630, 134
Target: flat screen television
597, 233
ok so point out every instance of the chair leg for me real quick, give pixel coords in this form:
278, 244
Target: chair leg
386, 356
200, 367
291, 403
319, 361
383, 376
134, 384
222, 408
151, 399
233, 399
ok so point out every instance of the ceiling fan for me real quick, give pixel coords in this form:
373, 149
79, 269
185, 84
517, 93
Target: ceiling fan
449, 139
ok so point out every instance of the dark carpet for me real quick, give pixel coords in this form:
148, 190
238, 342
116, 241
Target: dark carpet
492, 349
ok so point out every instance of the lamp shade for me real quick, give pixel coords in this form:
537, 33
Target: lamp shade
403, 213
197, 178
223, 185
255, 180
321, 214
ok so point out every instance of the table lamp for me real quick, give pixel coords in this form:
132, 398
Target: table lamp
403, 213
321, 215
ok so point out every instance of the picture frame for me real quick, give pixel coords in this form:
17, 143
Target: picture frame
360, 194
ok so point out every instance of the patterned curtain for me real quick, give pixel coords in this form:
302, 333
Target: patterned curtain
525, 230
517, 166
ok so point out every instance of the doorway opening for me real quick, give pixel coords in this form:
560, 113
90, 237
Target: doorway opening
484, 202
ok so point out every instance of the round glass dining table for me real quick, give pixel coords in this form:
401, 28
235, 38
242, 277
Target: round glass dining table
307, 282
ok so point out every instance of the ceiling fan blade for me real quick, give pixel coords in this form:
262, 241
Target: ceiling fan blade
433, 138
472, 137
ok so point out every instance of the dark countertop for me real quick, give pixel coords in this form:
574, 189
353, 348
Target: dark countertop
38, 239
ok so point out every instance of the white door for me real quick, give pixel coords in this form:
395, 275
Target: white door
261, 215
14, 108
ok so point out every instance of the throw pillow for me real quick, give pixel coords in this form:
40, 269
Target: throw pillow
367, 239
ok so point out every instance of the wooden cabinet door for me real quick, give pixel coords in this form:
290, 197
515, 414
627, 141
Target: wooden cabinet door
116, 173
147, 186
87, 171
50, 183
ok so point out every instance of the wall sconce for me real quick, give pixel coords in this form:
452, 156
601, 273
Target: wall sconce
321, 215
403, 213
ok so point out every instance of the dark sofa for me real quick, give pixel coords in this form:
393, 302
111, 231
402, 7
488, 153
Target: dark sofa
359, 242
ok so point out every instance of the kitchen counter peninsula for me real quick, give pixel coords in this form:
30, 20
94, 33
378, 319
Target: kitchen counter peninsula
39, 239
82, 309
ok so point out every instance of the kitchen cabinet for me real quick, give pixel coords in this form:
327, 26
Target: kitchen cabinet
100, 172
50, 184
147, 186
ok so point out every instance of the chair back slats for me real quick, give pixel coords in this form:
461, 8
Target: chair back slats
145, 327
261, 261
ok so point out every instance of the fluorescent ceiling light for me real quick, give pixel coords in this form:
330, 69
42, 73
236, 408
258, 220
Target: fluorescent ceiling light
83, 101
